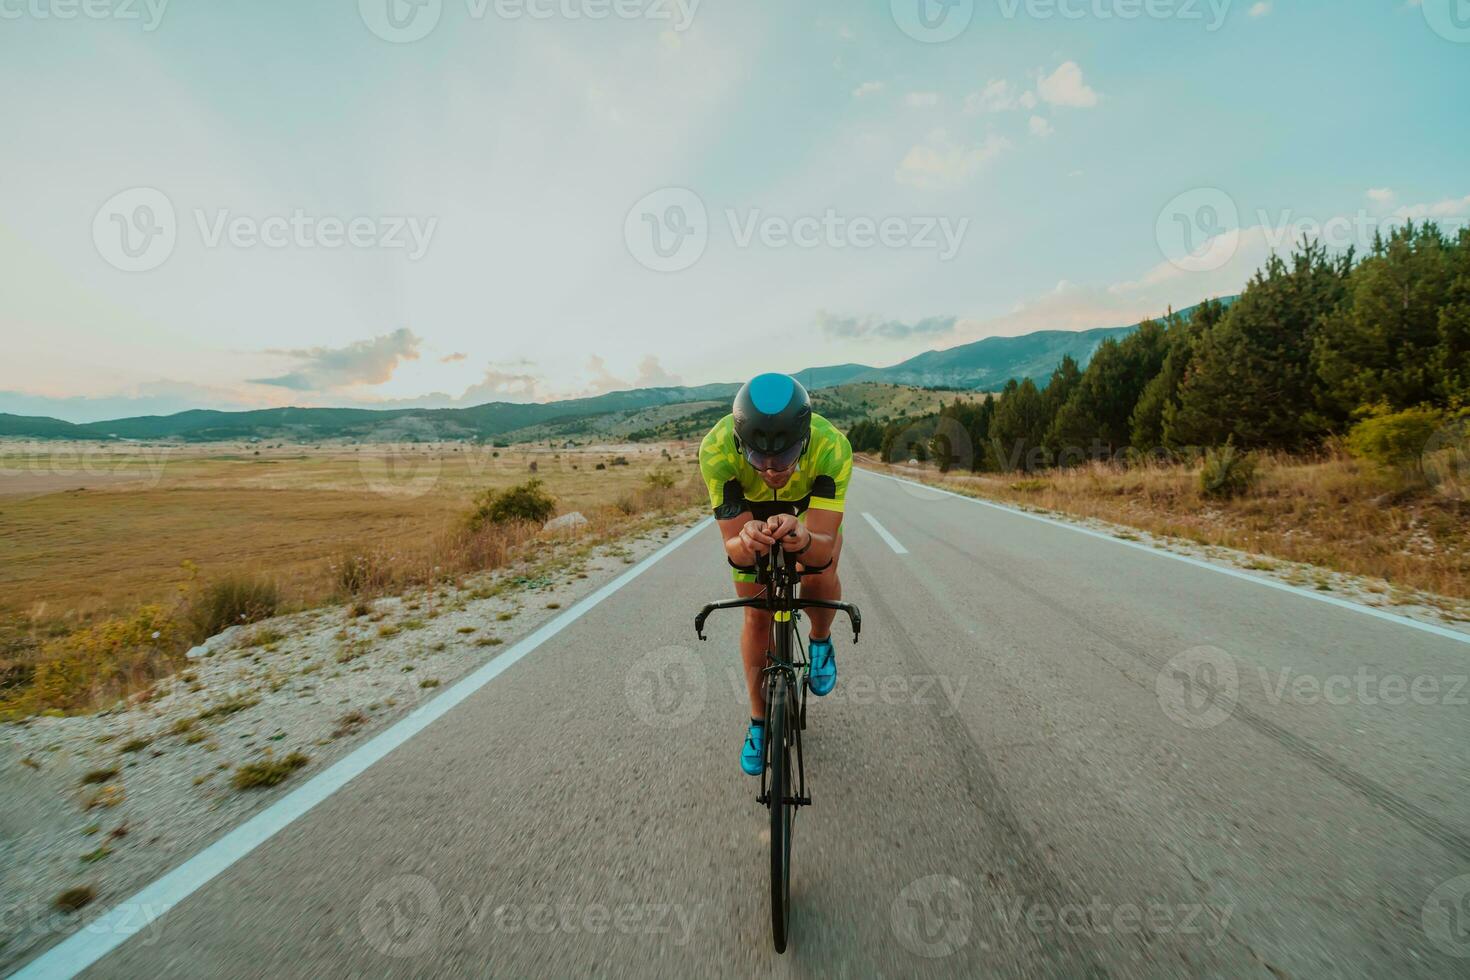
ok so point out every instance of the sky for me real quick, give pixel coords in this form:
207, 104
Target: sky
448, 202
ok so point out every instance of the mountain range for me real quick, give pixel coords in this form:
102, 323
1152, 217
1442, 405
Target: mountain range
982, 365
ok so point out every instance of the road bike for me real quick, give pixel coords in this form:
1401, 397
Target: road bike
785, 690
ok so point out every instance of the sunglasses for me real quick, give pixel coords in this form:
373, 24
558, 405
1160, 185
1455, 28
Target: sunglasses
775, 461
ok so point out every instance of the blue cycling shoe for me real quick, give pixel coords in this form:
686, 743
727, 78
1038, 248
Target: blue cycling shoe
752, 755
822, 676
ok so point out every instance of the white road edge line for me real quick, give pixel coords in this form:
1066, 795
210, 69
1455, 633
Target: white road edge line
898, 549
1199, 563
99, 937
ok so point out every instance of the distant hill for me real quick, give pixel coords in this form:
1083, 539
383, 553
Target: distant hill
988, 364
985, 365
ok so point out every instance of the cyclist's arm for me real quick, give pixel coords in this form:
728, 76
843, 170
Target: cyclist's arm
822, 525
738, 546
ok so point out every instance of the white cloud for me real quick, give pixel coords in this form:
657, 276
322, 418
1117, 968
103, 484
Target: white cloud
996, 96
867, 88
922, 100
1451, 207
365, 362
1381, 195
940, 162
1260, 9
1065, 87
1040, 127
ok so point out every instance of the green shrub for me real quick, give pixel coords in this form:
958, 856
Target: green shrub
231, 601
1227, 472
1394, 439
524, 502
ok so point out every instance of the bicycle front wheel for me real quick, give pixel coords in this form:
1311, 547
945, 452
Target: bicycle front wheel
778, 741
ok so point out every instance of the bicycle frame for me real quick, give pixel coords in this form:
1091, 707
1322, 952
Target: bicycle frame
781, 576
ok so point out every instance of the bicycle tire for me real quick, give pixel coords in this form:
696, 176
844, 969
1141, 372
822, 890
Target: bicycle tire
782, 813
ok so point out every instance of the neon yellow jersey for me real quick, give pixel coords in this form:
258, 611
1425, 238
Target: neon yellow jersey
820, 481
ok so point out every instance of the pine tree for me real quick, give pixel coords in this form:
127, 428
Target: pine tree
1252, 374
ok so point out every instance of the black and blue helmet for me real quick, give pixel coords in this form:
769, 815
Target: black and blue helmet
773, 421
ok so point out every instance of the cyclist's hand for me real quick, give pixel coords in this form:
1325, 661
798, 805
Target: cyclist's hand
756, 536
788, 530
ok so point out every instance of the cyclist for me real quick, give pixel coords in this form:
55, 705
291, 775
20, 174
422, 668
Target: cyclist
778, 473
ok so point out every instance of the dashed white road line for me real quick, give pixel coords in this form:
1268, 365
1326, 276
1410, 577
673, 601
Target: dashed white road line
898, 549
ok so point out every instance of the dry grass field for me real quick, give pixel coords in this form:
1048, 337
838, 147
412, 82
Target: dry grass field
1334, 512
90, 533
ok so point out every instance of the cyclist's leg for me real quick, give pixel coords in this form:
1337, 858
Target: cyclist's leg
755, 638
824, 586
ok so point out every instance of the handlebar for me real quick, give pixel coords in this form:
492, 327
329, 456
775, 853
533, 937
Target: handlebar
853, 615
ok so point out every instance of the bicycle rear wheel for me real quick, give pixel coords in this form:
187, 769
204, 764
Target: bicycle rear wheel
778, 739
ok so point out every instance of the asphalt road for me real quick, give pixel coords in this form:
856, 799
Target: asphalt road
1050, 755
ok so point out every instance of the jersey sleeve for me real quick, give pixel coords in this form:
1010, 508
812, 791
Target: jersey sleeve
834, 472
717, 469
